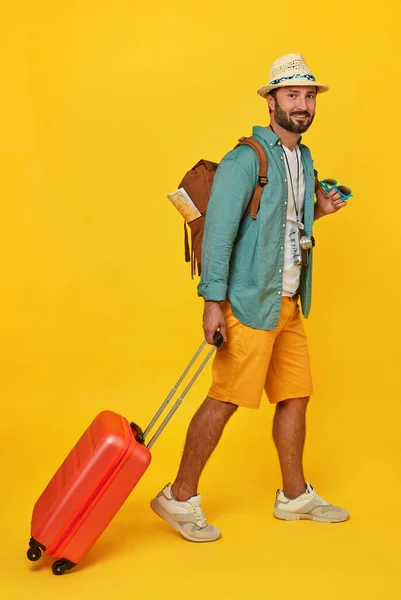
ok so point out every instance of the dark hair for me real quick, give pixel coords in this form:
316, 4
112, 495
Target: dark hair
274, 94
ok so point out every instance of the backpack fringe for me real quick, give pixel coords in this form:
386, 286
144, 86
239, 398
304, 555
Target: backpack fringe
186, 244
189, 252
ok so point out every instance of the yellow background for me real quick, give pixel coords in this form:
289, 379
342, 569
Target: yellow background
103, 106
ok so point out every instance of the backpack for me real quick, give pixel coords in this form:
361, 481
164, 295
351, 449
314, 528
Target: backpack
198, 181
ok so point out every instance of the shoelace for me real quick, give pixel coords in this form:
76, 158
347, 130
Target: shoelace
199, 516
317, 498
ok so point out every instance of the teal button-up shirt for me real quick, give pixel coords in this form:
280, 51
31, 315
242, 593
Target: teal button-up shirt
245, 261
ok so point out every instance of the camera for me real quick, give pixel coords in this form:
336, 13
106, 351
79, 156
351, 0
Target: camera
301, 244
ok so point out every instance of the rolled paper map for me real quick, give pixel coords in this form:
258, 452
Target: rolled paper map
184, 205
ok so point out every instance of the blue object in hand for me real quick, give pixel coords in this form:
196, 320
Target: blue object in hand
329, 184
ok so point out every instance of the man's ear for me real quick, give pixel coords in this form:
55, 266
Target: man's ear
270, 102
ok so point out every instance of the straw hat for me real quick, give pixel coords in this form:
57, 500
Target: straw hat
290, 69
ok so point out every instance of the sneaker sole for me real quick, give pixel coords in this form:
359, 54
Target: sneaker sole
163, 514
287, 516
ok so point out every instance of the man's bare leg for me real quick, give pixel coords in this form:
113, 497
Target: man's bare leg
298, 499
289, 430
203, 435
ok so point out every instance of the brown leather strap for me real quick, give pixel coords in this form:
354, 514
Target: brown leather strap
262, 173
260, 153
255, 202
317, 183
186, 244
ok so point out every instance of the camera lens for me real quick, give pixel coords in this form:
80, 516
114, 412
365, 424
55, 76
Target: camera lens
307, 242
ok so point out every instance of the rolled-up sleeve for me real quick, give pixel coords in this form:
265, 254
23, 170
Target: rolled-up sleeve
230, 195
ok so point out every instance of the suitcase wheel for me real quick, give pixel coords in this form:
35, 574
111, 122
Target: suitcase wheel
34, 554
61, 566
35, 550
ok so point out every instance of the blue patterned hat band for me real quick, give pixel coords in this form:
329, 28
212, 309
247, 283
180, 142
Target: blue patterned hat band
297, 76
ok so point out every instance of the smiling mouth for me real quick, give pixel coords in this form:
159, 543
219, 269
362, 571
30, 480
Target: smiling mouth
300, 116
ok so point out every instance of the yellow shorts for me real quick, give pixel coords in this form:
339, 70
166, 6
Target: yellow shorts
253, 360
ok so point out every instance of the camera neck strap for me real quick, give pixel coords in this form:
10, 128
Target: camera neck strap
297, 199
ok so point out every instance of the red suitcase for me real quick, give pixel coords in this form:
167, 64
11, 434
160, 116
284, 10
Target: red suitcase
94, 481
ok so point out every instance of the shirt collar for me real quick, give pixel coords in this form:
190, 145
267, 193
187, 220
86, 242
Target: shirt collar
269, 136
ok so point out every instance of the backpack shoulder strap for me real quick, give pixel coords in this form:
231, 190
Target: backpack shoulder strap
262, 173
317, 184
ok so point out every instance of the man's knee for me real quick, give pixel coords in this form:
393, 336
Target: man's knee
219, 407
299, 404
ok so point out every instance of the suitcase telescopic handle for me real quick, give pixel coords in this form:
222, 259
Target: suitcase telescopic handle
217, 341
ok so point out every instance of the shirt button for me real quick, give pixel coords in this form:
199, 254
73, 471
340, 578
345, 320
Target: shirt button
280, 270
283, 224
285, 181
279, 293
281, 158
282, 247
285, 203
271, 144
279, 143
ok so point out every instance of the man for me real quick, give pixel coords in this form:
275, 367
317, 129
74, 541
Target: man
251, 282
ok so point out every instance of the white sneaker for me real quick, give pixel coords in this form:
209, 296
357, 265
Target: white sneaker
186, 517
308, 506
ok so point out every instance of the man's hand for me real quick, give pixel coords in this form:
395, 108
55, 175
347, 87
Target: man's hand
328, 203
213, 319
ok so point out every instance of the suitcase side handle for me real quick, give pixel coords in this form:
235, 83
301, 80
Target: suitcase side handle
217, 341
139, 435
